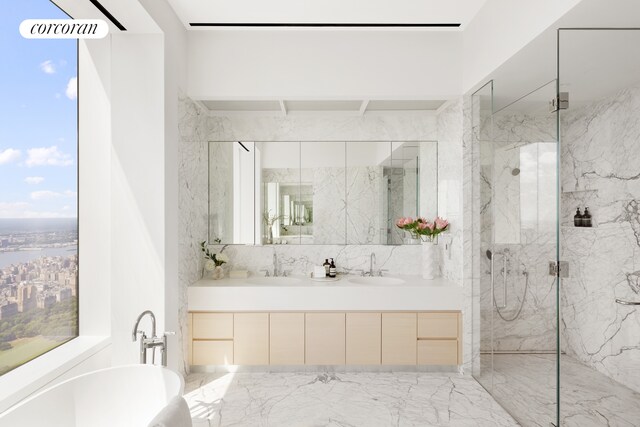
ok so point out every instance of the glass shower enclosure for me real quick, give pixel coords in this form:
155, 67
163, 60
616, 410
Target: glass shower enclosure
558, 183
518, 237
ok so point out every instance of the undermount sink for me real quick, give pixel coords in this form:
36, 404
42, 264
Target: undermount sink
380, 281
273, 281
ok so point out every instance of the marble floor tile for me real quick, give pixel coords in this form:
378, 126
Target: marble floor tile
525, 385
341, 399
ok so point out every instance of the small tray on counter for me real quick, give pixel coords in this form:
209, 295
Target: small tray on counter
325, 279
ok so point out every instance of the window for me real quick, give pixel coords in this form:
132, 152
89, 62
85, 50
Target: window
38, 187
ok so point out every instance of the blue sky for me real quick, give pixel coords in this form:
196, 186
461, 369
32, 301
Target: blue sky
38, 117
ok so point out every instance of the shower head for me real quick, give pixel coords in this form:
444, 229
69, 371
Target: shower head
515, 171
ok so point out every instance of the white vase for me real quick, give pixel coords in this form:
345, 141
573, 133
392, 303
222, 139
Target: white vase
216, 274
430, 264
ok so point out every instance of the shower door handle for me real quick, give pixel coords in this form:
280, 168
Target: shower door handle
623, 302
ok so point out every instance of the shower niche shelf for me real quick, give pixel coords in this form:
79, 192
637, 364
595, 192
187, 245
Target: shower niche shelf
578, 191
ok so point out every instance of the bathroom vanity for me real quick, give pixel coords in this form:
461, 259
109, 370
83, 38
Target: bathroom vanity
353, 321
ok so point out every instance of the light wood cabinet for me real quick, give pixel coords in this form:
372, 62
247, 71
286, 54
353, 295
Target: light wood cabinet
215, 326
363, 338
438, 325
325, 338
286, 339
399, 338
251, 339
213, 352
190, 339
438, 352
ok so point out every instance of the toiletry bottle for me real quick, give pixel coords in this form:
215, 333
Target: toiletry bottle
326, 266
332, 269
577, 218
586, 218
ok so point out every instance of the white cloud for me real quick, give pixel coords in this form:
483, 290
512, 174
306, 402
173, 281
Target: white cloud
72, 88
47, 194
13, 209
25, 210
9, 155
47, 156
33, 179
48, 67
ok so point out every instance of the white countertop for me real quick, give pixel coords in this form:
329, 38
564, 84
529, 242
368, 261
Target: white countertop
305, 294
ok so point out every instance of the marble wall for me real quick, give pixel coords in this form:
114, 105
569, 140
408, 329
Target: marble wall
600, 155
517, 223
193, 181
348, 258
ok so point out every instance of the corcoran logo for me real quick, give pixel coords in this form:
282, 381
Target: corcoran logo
64, 29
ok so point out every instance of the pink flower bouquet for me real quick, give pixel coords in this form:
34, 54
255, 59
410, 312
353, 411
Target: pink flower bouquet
422, 228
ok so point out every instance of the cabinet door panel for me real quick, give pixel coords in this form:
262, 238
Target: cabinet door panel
399, 338
438, 352
214, 326
213, 352
363, 338
325, 339
190, 339
286, 339
251, 339
438, 325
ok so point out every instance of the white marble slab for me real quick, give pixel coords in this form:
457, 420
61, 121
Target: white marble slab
307, 295
341, 399
525, 385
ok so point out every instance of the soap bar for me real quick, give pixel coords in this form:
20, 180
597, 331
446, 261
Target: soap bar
319, 271
238, 274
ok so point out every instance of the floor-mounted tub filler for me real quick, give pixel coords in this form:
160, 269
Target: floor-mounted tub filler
123, 396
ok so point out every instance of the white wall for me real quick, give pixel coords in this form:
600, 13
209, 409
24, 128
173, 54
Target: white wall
324, 64
137, 183
500, 29
94, 186
175, 74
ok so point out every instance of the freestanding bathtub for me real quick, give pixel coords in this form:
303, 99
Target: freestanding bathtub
123, 396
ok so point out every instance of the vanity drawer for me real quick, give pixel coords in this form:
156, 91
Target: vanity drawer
438, 325
213, 326
213, 352
438, 352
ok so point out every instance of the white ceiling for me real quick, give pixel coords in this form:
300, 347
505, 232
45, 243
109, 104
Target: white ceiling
327, 11
285, 107
593, 63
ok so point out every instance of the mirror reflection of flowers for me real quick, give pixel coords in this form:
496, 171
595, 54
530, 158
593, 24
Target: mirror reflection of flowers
422, 228
213, 260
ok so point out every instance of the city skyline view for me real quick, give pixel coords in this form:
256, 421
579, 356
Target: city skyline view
38, 118
38, 197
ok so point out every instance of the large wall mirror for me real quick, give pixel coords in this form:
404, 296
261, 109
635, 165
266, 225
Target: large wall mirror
319, 192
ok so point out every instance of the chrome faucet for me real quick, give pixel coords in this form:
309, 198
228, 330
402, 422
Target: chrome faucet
135, 332
372, 263
150, 343
275, 264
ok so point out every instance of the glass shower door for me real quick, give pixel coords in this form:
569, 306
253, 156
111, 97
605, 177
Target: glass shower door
518, 237
600, 145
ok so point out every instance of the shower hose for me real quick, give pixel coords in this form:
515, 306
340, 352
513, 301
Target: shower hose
524, 297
